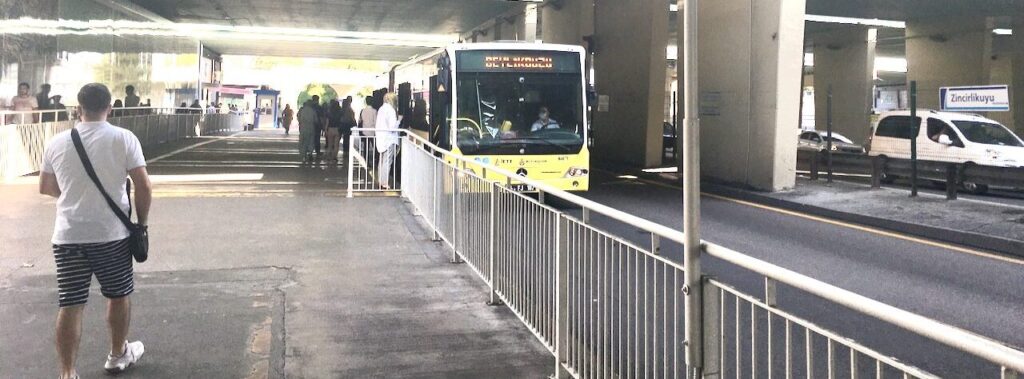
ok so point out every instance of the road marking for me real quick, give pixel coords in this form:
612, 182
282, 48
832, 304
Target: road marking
187, 148
862, 228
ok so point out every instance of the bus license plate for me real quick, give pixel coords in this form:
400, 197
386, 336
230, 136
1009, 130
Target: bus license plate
522, 188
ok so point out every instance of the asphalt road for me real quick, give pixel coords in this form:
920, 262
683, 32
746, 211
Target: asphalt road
979, 294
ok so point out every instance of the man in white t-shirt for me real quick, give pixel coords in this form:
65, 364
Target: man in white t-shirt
88, 239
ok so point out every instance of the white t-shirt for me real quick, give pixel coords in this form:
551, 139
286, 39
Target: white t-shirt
83, 216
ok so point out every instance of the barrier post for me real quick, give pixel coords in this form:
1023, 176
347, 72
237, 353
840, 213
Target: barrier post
814, 165
916, 126
876, 172
828, 138
952, 181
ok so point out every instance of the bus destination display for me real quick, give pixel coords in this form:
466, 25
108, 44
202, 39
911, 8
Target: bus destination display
517, 61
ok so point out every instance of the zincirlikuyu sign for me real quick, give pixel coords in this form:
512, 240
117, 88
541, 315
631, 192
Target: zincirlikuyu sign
976, 98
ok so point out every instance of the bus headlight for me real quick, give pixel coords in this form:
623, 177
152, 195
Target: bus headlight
575, 172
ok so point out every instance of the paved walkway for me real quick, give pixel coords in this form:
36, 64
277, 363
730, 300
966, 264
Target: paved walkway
261, 268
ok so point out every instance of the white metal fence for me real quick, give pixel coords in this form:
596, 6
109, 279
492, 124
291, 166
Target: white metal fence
372, 169
22, 145
609, 308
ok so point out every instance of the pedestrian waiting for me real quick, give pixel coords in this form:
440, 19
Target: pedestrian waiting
85, 169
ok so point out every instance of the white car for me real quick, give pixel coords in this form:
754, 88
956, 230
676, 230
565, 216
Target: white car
812, 140
947, 137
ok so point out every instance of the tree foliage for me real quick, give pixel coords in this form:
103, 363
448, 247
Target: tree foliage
326, 93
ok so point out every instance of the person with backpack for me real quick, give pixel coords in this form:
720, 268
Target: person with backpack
86, 170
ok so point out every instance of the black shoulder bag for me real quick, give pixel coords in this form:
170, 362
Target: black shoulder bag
138, 240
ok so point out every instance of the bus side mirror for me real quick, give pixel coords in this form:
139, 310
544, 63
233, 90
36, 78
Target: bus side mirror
945, 140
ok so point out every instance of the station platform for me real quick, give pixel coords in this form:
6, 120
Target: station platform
261, 268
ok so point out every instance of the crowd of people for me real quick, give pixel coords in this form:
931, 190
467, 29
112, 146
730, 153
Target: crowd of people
25, 101
46, 107
334, 120
333, 123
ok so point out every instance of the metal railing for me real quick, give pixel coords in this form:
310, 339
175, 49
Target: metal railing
879, 169
608, 307
372, 169
22, 145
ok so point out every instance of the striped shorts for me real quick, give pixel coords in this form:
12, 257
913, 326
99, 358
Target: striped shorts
111, 262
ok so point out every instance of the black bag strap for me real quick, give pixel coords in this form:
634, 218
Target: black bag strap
125, 219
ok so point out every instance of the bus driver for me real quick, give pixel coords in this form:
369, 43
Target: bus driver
545, 121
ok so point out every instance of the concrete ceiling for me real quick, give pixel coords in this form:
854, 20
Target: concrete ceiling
459, 16
408, 16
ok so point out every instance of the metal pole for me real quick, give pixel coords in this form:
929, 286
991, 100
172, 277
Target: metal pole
692, 286
828, 138
916, 126
561, 295
493, 243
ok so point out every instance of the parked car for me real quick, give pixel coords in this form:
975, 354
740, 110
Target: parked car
947, 137
812, 140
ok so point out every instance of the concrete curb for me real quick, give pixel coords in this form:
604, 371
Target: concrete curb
997, 244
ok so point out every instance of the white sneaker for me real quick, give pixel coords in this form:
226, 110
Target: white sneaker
132, 352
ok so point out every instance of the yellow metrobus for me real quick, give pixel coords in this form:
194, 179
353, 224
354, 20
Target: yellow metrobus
515, 105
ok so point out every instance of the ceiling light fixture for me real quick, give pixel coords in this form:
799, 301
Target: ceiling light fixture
856, 21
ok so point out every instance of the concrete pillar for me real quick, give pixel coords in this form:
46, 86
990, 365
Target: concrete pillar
629, 65
1001, 72
750, 57
567, 21
948, 52
844, 58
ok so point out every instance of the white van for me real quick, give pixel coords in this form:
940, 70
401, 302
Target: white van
947, 137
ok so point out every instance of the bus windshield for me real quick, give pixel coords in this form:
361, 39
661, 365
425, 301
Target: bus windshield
517, 113
987, 133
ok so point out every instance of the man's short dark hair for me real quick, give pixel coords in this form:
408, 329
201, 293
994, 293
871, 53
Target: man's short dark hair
316, 98
94, 98
45, 86
369, 99
129, 88
24, 84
